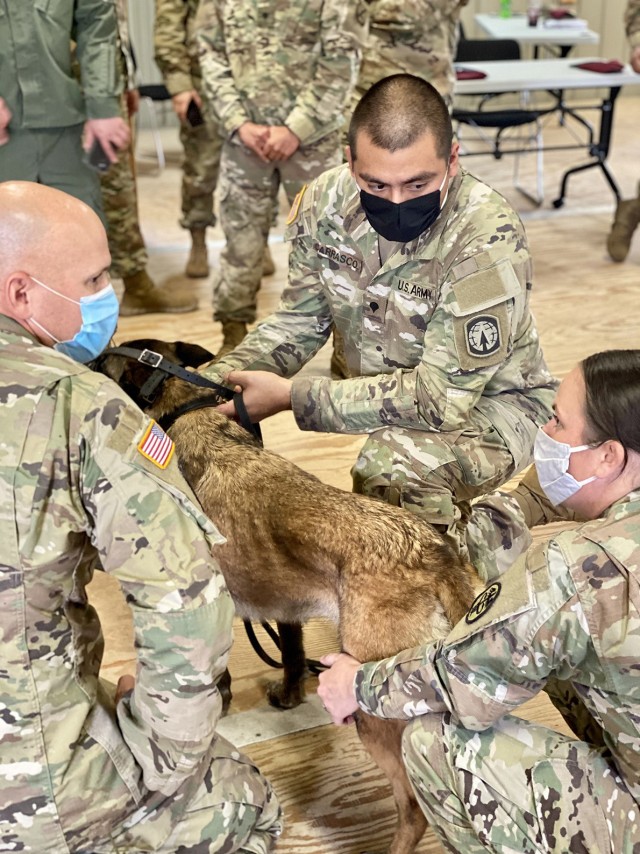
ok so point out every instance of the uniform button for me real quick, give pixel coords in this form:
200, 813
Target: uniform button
379, 348
374, 306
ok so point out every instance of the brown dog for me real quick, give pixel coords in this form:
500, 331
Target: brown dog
297, 548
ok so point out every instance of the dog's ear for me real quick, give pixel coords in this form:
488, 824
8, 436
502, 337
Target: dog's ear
191, 355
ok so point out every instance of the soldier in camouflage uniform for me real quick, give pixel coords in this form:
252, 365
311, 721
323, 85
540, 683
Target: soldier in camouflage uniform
411, 37
448, 378
627, 214
565, 617
278, 74
89, 482
120, 202
177, 60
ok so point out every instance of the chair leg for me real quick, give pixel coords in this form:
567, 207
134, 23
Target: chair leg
538, 198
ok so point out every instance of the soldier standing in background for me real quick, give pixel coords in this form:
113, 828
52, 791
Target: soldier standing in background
46, 117
90, 483
129, 256
426, 273
278, 74
628, 211
411, 37
202, 143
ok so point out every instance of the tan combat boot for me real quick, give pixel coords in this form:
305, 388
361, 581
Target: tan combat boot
268, 267
141, 296
233, 332
198, 263
625, 223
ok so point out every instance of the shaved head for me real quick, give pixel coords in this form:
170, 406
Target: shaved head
38, 222
50, 237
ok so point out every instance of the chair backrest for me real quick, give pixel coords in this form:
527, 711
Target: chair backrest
155, 91
487, 50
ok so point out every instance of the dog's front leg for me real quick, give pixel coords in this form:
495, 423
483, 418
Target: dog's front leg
289, 693
224, 686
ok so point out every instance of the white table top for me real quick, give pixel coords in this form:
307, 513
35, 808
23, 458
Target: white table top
515, 75
518, 28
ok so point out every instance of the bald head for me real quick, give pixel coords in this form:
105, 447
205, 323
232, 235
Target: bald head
38, 225
50, 237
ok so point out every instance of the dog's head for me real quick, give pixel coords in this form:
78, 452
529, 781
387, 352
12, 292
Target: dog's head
131, 375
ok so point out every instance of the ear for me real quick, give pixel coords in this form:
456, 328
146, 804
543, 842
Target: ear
454, 159
611, 459
18, 290
191, 355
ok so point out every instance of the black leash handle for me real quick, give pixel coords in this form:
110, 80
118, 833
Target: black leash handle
313, 666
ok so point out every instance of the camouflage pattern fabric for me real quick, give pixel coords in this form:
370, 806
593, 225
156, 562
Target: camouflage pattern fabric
632, 22
118, 185
83, 487
411, 37
519, 788
176, 57
248, 195
280, 62
567, 612
448, 377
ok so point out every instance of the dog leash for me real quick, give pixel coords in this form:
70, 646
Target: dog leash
162, 368
313, 666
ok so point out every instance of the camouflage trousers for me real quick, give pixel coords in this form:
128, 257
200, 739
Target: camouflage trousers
201, 165
120, 203
248, 192
53, 157
234, 810
517, 788
435, 475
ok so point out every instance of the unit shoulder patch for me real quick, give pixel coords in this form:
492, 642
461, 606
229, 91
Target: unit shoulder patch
483, 602
482, 335
156, 446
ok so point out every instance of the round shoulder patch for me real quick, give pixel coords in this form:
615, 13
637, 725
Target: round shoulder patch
482, 334
483, 602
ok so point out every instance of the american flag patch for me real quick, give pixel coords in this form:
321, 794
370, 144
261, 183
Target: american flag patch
156, 446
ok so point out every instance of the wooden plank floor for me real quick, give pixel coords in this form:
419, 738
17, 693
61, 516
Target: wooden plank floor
335, 800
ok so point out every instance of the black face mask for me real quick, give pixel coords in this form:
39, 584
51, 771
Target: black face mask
405, 220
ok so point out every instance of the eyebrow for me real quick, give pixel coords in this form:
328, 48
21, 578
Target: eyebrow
421, 176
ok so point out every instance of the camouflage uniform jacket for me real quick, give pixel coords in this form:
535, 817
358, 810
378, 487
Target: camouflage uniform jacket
411, 37
632, 22
443, 322
36, 78
174, 44
124, 41
568, 608
280, 62
76, 491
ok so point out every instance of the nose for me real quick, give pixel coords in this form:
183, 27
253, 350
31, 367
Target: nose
396, 195
548, 427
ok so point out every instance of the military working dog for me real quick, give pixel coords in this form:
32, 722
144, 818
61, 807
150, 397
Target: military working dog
298, 548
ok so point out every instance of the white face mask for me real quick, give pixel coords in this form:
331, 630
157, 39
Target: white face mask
552, 462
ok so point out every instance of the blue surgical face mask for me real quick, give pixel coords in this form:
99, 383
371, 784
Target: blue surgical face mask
552, 463
99, 314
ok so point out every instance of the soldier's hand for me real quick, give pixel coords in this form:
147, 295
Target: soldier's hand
254, 137
5, 118
635, 59
114, 135
336, 687
125, 684
182, 100
281, 143
264, 394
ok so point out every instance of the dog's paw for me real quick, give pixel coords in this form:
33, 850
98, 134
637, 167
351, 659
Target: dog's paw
284, 698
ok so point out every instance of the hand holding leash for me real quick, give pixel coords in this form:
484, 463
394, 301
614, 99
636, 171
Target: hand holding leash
263, 393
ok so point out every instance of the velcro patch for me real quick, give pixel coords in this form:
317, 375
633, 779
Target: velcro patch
156, 446
295, 207
483, 602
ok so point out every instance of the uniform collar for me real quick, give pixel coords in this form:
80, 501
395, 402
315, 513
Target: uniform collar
11, 327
